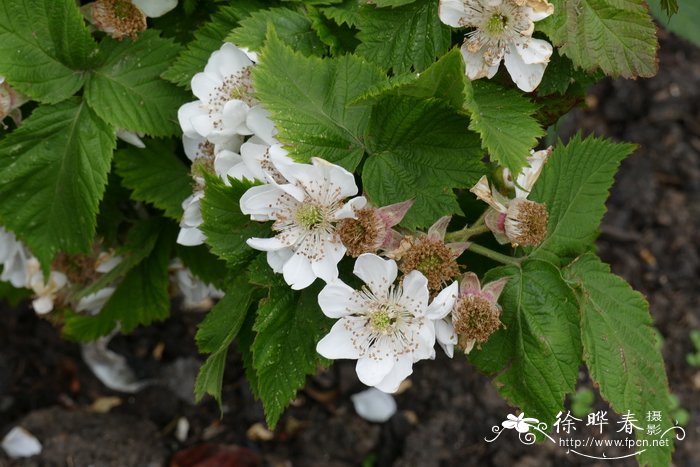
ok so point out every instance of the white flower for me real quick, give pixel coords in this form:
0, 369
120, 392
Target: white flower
226, 107
518, 220
13, 258
190, 235
305, 211
45, 291
130, 137
385, 327
503, 31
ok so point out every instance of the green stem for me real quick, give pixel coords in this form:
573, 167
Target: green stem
464, 234
494, 255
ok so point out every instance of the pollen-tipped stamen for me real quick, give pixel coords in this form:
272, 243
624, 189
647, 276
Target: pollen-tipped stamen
118, 18
432, 258
364, 234
526, 222
475, 318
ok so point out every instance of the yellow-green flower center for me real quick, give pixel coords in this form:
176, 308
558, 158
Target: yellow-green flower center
382, 319
496, 24
309, 216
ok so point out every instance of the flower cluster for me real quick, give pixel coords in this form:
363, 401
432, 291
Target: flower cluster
414, 296
502, 31
68, 272
225, 132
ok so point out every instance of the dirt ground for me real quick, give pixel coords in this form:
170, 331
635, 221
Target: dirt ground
650, 235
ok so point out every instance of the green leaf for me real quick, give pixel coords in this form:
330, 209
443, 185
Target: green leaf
339, 38
617, 36
45, 48
620, 348
503, 118
155, 175
225, 226
538, 350
288, 326
309, 100
390, 3
216, 333
669, 6
53, 171
685, 24
141, 298
442, 80
347, 13
127, 90
208, 38
574, 186
409, 36
420, 149
294, 29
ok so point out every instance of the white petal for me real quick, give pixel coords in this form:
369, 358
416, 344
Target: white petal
185, 114
228, 164
529, 175
443, 303
258, 120
338, 343
190, 236
204, 86
374, 405
338, 176
453, 13
260, 200
234, 116
326, 267
42, 305
371, 371
155, 8
426, 342
297, 272
266, 244
18, 442
191, 146
349, 208
483, 191
379, 274
415, 292
204, 126
228, 60
401, 370
476, 66
276, 259
130, 137
533, 50
526, 76
446, 336
339, 299
95, 301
